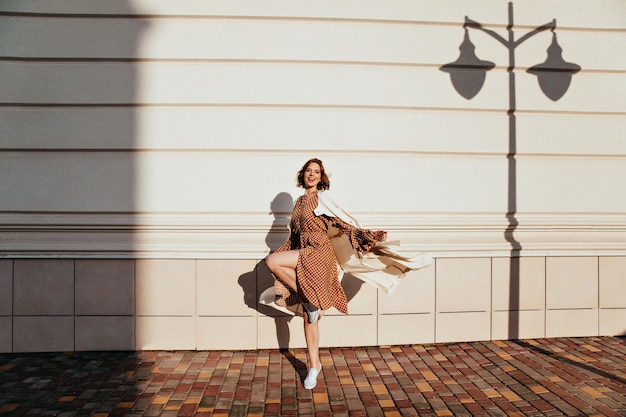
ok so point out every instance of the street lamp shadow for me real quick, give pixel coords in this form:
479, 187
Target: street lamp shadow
467, 75
555, 74
468, 72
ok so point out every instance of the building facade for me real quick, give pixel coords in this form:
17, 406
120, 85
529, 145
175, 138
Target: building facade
148, 151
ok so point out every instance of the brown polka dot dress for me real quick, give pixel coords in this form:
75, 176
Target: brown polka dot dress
316, 270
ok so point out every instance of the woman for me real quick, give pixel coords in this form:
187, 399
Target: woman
305, 266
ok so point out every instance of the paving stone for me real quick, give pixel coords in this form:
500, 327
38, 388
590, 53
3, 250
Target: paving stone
539, 377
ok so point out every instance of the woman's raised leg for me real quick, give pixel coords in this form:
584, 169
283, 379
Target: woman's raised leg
283, 266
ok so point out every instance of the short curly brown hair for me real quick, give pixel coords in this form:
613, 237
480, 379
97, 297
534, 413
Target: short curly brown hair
324, 183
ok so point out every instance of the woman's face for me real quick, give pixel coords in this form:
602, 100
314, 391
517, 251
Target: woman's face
312, 175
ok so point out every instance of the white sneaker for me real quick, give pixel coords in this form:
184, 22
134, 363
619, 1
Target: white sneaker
311, 379
312, 312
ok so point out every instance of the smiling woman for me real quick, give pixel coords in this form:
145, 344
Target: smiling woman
305, 266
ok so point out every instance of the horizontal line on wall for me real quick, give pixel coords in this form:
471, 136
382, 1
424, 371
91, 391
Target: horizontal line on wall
582, 113
137, 16
271, 151
208, 246
182, 61
413, 313
242, 221
257, 255
248, 213
71, 15
463, 312
402, 152
114, 16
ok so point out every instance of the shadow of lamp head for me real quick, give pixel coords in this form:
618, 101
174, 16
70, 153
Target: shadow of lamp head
468, 72
282, 203
554, 75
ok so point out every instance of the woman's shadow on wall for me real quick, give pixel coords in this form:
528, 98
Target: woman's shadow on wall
255, 282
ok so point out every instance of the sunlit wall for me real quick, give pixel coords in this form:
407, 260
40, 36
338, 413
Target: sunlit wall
149, 150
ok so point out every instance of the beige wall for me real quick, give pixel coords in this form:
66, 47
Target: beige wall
88, 304
148, 151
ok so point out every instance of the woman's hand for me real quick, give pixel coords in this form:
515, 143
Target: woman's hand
380, 235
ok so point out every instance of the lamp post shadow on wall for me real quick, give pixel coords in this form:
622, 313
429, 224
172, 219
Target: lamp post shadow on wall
467, 75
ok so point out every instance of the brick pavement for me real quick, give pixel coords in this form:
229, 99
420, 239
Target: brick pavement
542, 377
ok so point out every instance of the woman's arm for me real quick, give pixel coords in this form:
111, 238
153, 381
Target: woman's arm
361, 239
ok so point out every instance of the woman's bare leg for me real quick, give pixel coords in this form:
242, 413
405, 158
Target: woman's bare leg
283, 266
312, 337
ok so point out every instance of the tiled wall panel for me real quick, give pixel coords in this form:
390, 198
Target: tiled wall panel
518, 284
402, 329
43, 287
415, 294
518, 298
612, 297
612, 322
105, 287
463, 285
95, 333
6, 287
234, 319
362, 298
215, 333
572, 296
165, 287
571, 283
572, 323
6, 334
357, 330
282, 331
165, 332
6, 305
468, 326
43, 334
613, 282
224, 286
523, 324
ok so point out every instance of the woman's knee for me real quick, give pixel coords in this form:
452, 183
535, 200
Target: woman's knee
271, 263
275, 261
